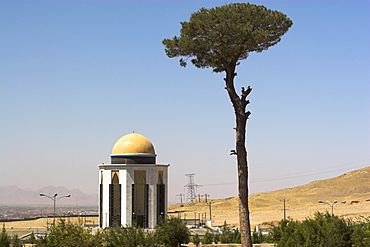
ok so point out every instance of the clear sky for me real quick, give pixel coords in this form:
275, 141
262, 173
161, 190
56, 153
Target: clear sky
75, 76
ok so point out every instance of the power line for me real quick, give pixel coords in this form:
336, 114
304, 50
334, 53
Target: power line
289, 176
298, 174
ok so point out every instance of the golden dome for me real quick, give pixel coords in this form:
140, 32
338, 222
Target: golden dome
133, 144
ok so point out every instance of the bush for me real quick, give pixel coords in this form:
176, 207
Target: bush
196, 240
361, 232
216, 238
236, 237
172, 232
15, 241
226, 235
128, 236
208, 238
324, 230
257, 237
69, 235
4, 238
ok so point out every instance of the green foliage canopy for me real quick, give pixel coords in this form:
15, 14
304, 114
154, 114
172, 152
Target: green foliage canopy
15, 241
226, 234
361, 232
128, 237
4, 238
324, 230
65, 234
221, 36
172, 232
208, 237
196, 240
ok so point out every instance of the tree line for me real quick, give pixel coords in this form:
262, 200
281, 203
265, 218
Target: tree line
170, 232
321, 230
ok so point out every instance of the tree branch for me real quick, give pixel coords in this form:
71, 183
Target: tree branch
245, 93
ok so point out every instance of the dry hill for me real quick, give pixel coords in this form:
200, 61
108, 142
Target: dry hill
302, 201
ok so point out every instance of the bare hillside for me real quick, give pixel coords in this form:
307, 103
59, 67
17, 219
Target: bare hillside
302, 201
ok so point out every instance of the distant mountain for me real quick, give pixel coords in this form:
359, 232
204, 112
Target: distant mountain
13, 195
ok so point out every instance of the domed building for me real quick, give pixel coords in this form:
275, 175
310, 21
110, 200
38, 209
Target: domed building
133, 188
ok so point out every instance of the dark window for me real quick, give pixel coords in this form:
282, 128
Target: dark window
115, 201
161, 195
101, 206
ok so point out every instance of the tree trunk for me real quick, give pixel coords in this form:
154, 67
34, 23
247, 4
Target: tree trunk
245, 230
241, 115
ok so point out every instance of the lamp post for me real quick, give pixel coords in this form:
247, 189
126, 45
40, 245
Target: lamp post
332, 205
54, 198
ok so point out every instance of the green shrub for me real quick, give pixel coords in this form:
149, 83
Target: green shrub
216, 238
172, 232
208, 238
4, 238
361, 232
196, 240
236, 236
15, 241
69, 235
324, 230
257, 237
128, 236
226, 235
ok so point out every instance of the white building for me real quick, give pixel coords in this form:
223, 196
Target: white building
133, 188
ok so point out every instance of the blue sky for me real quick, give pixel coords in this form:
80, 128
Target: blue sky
75, 76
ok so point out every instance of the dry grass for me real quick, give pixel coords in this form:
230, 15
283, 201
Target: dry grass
39, 225
302, 201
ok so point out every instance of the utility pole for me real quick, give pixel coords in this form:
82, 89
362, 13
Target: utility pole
210, 210
206, 196
284, 209
181, 196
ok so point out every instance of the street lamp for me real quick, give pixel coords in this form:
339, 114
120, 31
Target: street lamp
54, 198
332, 205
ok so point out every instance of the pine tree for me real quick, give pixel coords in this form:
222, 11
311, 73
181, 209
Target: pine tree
219, 38
207, 238
4, 238
196, 240
15, 241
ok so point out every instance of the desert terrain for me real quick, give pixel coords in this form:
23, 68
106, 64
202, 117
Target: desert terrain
301, 202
